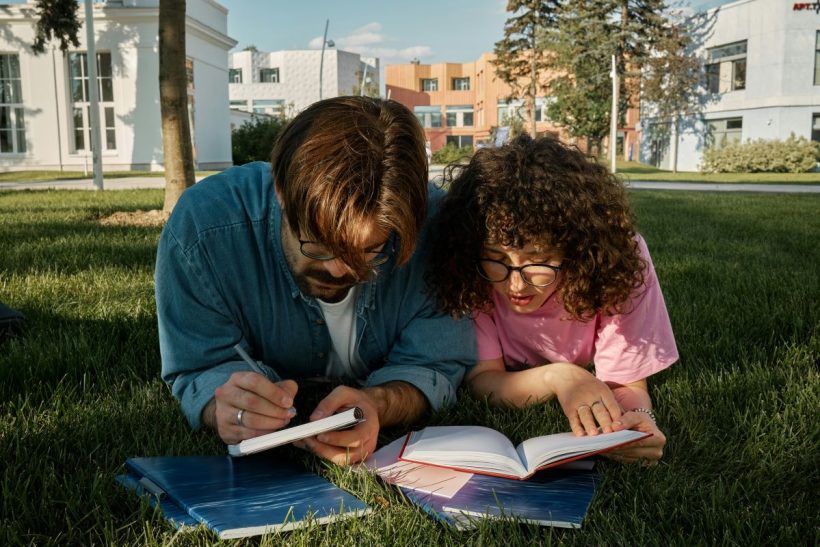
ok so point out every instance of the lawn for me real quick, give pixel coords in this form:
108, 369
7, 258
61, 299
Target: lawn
80, 390
48, 176
632, 170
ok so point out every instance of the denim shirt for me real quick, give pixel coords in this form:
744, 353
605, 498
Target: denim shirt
222, 279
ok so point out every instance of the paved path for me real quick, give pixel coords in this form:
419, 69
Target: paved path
130, 183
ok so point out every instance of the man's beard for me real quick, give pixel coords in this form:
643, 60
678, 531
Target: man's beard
306, 281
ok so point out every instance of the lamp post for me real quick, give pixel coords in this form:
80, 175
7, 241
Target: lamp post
93, 99
328, 43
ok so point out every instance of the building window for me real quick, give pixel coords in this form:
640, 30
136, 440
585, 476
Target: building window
235, 75
726, 68
815, 127
429, 84
428, 116
269, 75
81, 117
271, 107
240, 104
460, 116
720, 133
817, 59
460, 140
12, 121
461, 84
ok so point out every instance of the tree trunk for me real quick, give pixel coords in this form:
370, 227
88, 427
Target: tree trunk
173, 100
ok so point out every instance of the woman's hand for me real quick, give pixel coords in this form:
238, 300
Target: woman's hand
646, 451
587, 402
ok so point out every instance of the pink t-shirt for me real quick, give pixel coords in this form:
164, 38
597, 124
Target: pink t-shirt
624, 347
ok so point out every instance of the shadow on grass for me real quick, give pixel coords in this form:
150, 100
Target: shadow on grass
71, 247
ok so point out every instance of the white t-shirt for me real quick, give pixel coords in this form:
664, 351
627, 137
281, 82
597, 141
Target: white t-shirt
343, 361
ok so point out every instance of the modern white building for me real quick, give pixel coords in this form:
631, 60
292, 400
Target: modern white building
761, 81
286, 82
44, 104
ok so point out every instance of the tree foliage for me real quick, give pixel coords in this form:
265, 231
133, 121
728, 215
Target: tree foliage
253, 140
56, 20
583, 44
520, 56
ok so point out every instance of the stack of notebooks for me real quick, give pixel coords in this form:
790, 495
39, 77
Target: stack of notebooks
458, 474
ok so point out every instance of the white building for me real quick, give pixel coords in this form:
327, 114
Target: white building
288, 81
44, 113
761, 79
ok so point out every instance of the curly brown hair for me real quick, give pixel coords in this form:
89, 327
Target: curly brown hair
536, 191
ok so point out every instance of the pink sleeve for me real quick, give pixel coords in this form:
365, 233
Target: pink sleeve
489, 345
638, 343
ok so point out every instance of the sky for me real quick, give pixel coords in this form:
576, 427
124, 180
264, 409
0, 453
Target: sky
432, 31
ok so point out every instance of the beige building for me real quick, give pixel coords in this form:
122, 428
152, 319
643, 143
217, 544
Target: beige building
461, 103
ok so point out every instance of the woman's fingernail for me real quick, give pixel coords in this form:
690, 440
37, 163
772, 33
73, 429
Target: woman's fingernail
321, 438
292, 411
317, 414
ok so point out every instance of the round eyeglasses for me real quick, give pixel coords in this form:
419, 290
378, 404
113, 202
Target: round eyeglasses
537, 275
316, 251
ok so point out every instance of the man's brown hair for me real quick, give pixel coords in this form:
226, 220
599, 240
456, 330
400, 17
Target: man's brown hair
346, 161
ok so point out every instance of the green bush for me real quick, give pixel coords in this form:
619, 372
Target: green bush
253, 141
794, 155
452, 153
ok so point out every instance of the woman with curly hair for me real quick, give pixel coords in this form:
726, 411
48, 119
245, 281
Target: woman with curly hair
537, 243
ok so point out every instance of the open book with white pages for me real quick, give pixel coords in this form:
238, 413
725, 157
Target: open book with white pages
477, 449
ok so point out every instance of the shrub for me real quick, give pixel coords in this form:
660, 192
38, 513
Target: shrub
253, 141
452, 153
794, 155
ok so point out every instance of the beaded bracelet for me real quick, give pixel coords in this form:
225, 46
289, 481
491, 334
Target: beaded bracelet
646, 411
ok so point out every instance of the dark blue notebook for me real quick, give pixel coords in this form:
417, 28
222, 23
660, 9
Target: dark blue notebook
238, 497
553, 497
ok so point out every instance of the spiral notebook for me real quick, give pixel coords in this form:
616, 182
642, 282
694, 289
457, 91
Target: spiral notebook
238, 497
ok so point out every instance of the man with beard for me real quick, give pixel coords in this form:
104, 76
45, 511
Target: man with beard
314, 264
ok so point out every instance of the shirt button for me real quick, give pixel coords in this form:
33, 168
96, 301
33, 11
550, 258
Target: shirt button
320, 321
320, 355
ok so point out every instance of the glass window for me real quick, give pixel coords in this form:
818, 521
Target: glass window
817, 59
815, 127
460, 140
460, 115
726, 68
429, 84
428, 116
240, 104
272, 107
461, 84
235, 75
12, 119
78, 84
269, 75
720, 133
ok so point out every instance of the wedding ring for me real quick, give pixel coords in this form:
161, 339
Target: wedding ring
582, 406
239, 417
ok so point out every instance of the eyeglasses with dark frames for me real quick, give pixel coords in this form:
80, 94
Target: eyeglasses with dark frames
316, 251
537, 275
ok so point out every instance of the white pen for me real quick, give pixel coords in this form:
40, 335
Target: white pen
256, 368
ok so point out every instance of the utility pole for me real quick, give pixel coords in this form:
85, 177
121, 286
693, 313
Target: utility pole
613, 124
93, 99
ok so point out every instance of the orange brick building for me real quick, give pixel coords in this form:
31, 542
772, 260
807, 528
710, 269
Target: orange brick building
460, 103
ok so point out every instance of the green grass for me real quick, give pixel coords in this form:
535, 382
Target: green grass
48, 176
632, 170
80, 390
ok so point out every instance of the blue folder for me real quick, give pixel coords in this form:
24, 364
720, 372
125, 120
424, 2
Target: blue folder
238, 497
553, 497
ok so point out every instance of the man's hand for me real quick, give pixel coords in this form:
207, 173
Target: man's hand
647, 451
349, 445
265, 406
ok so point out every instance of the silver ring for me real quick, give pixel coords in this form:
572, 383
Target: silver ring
239, 417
